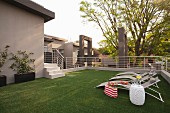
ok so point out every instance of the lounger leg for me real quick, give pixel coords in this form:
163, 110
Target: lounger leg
156, 85
159, 98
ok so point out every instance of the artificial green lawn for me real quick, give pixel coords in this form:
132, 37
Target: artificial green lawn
75, 93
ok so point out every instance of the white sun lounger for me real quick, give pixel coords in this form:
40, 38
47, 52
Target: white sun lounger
136, 74
131, 73
131, 78
147, 84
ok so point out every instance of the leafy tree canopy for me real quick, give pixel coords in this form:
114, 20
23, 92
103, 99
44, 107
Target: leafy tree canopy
146, 22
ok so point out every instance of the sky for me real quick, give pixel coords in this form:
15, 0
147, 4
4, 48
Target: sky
67, 23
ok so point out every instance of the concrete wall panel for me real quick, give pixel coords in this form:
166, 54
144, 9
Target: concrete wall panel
21, 30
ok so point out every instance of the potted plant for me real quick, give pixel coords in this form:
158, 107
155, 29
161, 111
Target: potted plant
3, 58
23, 65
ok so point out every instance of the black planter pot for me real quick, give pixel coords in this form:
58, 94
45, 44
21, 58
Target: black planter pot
24, 77
2, 80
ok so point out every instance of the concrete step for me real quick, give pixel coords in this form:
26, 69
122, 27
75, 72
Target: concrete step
50, 65
53, 76
55, 72
52, 69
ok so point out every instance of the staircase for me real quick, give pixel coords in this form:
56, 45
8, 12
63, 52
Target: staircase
52, 71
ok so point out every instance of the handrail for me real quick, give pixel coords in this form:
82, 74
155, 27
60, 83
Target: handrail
140, 62
60, 59
59, 53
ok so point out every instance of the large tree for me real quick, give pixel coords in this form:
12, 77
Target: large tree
142, 20
104, 14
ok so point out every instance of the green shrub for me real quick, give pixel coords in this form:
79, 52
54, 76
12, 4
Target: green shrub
22, 63
3, 56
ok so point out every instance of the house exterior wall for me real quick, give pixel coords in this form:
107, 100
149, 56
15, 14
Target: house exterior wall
54, 45
68, 49
46, 43
58, 44
24, 31
72, 51
54, 42
75, 51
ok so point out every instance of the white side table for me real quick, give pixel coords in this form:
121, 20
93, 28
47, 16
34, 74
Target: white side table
137, 94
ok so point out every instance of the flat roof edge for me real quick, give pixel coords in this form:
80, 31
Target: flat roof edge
55, 38
34, 8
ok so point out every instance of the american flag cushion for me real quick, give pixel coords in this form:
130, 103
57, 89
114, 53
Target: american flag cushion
110, 91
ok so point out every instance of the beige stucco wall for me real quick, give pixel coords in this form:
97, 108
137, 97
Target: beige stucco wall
58, 42
75, 51
75, 48
68, 49
55, 44
22, 31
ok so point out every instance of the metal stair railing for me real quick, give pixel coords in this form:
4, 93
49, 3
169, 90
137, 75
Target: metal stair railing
167, 63
58, 58
131, 62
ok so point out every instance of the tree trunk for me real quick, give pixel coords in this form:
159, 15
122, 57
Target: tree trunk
137, 48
